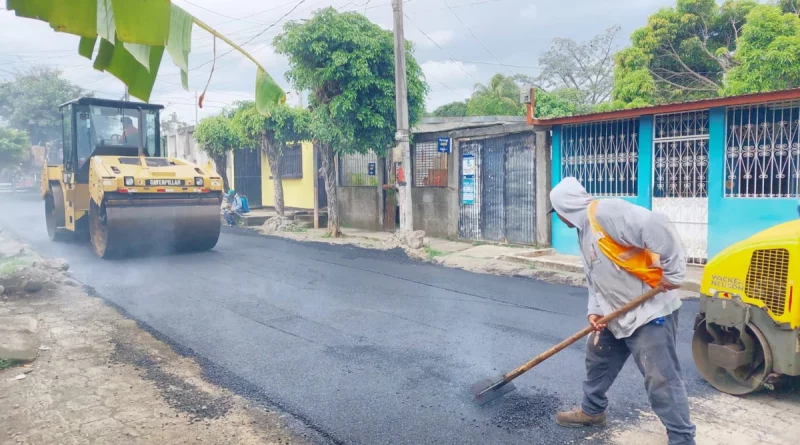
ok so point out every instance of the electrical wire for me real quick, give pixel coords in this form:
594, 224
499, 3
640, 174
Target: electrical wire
453, 59
477, 38
254, 37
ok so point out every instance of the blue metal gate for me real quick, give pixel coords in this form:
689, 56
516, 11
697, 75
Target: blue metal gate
503, 208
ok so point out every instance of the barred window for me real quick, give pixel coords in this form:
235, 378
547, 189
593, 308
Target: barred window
358, 169
762, 156
680, 152
292, 162
430, 166
603, 156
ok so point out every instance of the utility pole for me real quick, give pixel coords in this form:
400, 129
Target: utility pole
403, 149
195, 108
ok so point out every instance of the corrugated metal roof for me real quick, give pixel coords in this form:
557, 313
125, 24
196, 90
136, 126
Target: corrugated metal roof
447, 124
791, 94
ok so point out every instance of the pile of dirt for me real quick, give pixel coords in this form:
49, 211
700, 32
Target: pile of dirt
280, 224
23, 272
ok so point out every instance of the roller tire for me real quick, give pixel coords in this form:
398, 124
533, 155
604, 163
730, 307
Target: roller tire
54, 215
730, 381
98, 233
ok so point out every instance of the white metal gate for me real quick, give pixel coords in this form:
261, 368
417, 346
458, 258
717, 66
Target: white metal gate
680, 177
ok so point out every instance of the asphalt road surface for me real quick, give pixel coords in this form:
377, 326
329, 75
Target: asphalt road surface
359, 346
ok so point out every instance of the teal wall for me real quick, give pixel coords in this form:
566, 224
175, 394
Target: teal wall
564, 239
731, 220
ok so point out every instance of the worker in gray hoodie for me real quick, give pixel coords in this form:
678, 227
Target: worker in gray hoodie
648, 333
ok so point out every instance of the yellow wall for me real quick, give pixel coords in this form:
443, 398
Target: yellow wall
297, 193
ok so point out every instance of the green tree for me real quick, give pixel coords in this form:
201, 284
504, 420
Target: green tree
499, 98
683, 53
634, 86
790, 6
274, 133
768, 53
217, 137
453, 109
559, 103
586, 68
14, 146
30, 101
347, 64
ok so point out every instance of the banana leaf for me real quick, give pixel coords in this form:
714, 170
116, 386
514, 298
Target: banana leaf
119, 62
140, 31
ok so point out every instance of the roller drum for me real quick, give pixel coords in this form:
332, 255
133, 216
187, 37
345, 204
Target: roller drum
155, 226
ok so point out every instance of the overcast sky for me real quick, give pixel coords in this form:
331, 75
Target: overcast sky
515, 33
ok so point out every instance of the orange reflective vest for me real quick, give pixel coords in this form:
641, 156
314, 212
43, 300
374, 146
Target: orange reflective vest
641, 263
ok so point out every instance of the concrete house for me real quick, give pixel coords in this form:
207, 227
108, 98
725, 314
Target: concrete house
722, 169
502, 154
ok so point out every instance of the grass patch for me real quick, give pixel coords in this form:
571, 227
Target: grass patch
10, 265
6, 363
327, 235
296, 229
433, 253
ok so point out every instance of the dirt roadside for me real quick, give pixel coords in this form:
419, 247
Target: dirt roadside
98, 378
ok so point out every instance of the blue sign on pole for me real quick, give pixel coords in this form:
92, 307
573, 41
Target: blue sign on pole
444, 145
371, 167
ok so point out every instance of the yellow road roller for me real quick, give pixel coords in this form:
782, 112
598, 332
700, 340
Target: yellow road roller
747, 334
111, 182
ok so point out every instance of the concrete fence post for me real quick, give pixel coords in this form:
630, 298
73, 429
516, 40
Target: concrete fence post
543, 186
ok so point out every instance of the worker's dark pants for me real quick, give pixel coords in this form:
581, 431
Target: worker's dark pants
653, 349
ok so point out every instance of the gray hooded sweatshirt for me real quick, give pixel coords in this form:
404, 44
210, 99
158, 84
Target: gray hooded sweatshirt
610, 287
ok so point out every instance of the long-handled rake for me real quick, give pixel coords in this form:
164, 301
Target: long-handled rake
490, 389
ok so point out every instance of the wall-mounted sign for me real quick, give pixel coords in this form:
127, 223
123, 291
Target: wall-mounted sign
444, 145
371, 169
468, 190
468, 165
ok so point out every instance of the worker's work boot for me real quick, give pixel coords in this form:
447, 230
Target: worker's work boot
577, 419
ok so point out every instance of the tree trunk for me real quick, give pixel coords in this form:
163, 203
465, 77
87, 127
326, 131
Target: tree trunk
221, 163
329, 174
273, 154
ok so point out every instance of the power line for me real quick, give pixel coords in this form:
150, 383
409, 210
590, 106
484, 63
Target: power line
253, 38
442, 83
476, 37
232, 19
460, 65
454, 6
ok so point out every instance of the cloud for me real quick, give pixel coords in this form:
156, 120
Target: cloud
440, 95
448, 71
531, 12
31, 42
442, 37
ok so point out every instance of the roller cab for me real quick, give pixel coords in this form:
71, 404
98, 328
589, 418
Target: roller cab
747, 334
111, 184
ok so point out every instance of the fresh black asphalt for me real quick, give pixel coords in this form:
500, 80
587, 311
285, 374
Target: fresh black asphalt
359, 346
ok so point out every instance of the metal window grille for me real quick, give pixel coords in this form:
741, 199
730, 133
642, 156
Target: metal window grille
681, 155
762, 156
603, 156
358, 169
292, 162
430, 166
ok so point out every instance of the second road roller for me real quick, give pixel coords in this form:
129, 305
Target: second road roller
747, 334
111, 183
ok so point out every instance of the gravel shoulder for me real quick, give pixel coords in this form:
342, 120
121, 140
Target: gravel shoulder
99, 378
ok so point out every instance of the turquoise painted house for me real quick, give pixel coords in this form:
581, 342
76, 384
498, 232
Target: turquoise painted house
721, 169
